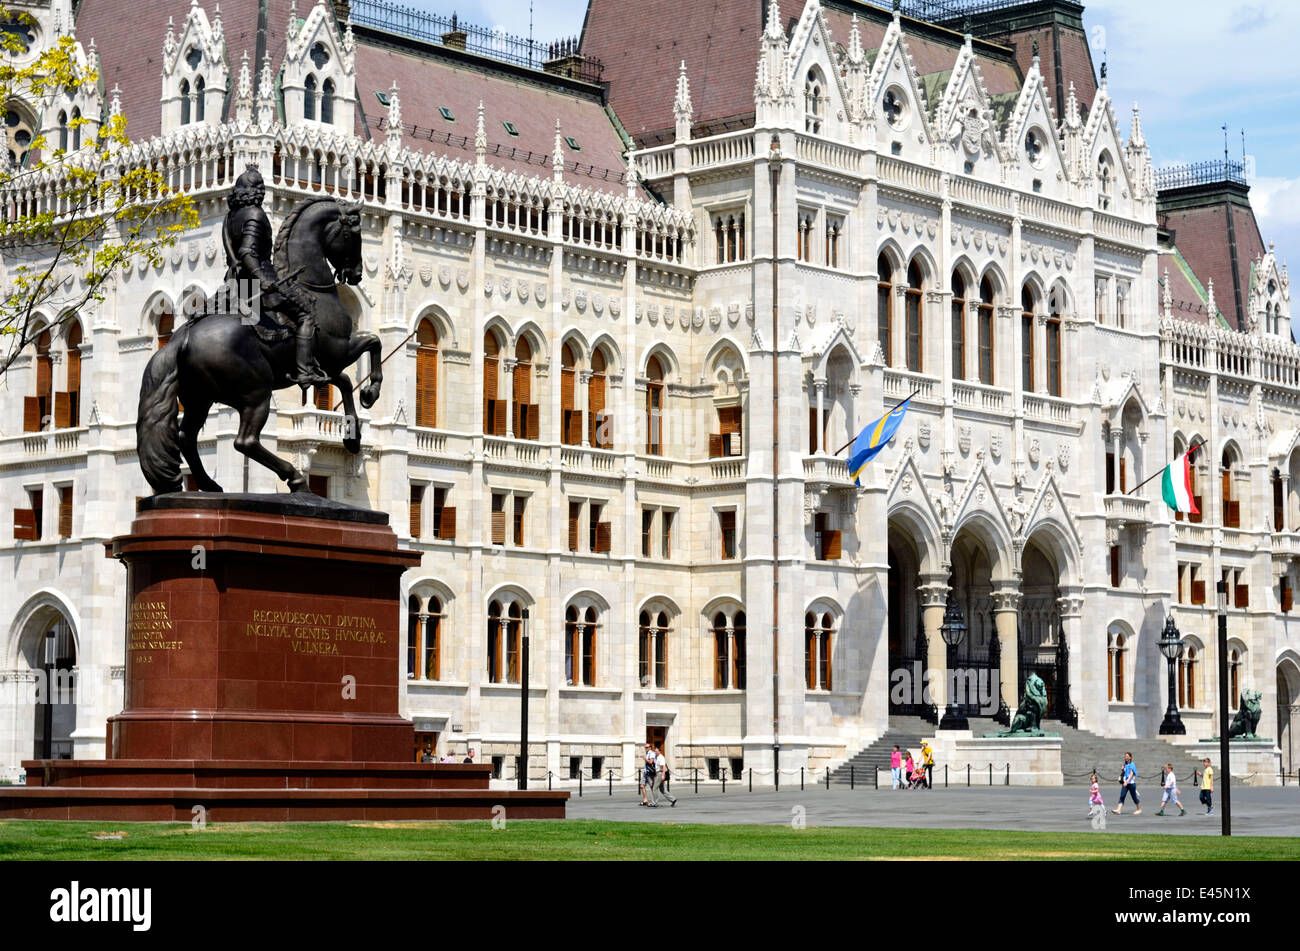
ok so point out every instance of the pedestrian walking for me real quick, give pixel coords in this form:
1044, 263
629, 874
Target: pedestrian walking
1128, 779
661, 768
1207, 787
927, 760
895, 765
648, 777
1171, 792
909, 767
1095, 804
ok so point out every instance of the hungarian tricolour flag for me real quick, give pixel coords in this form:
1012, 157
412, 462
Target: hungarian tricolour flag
1176, 487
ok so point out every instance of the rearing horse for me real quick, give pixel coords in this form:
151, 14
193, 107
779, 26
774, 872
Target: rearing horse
221, 358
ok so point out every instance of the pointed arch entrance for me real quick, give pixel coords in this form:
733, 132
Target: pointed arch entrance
47, 649
1288, 711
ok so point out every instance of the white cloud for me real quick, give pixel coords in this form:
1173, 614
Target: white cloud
1277, 208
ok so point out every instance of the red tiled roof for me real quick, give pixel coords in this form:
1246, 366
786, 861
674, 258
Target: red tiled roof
1202, 236
427, 82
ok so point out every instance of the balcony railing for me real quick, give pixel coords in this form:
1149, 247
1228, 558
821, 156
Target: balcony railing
1127, 509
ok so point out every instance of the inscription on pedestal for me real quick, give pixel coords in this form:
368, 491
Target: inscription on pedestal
313, 632
150, 628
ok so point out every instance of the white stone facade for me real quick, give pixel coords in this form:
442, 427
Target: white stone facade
996, 487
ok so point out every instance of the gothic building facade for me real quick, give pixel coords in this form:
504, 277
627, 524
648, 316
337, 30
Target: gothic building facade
631, 312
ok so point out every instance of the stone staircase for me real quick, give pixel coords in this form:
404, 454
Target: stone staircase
1081, 752
905, 731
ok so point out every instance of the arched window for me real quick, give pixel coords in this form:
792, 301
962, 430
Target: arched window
199, 86
985, 322
67, 405
1231, 507
424, 638
818, 630
652, 653
729, 650
729, 235
1027, 339
915, 341
1115, 661
814, 100
1188, 674
166, 326
570, 415
37, 407
494, 410
1234, 678
885, 307
1105, 180
18, 130
654, 407
1279, 502
958, 326
524, 409
76, 128
63, 131
600, 422
580, 629
185, 102
505, 630
309, 98
1054, 344
327, 102
426, 374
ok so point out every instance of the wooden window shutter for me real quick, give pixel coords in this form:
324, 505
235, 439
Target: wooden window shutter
1241, 596
1114, 566
826, 650
417, 498
447, 523
715, 445
498, 528
533, 417
1110, 473
324, 397
1123, 475
44, 376
831, 544
1286, 596
729, 419
25, 525
1195, 517
65, 511
499, 417
62, 411
74, 387
602, 537
523, 383
426, 387
1233, 515
31, 414
566, 389
1198, 592
490, 378
574, 510
812, 429
596, 409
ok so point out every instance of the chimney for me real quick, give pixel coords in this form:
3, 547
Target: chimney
455, 37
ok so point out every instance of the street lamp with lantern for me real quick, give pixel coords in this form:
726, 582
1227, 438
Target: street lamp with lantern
1225, 809
953, 631
1171, 645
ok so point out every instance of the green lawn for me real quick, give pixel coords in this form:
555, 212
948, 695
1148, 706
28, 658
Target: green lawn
593, 839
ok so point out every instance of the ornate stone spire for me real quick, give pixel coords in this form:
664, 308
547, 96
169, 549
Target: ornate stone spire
1072, 118
1135, 138
772, 30
394, 124
115, 101
292, 30
683, 111
217, 28
244, 93
855, 54
557, 155
169, 42
630, 174
266, 94
349, 40
1167, 296
1210, 306
480, 138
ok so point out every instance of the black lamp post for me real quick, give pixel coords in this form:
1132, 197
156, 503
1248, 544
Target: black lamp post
1225, 806
953, 630
1171, 645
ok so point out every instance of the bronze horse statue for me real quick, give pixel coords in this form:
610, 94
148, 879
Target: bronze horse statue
223, 357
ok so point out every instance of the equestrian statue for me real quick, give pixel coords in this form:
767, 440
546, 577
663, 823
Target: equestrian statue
277, 322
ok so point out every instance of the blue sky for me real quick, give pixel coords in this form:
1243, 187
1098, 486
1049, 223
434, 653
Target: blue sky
1191, 65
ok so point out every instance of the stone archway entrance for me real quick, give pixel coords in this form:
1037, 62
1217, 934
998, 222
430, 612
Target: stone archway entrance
48, 653
1041, 637
1288, 713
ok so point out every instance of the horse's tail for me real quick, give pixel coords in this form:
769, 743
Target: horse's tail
157, 433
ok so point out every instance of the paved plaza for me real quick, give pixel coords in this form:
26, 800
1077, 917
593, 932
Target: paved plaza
1255, 811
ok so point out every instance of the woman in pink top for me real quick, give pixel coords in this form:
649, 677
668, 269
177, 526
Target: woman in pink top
895, 765
908, 767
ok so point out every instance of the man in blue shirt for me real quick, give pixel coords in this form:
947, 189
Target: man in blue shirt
1128, 778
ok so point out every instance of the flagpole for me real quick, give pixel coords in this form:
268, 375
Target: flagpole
1161, 471
894, 407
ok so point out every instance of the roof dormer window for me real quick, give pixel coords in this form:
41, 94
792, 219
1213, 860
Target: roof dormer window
511, 129
445, 113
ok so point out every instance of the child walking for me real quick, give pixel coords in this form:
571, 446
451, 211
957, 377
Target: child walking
1171, 792
1095, 805
1207, 787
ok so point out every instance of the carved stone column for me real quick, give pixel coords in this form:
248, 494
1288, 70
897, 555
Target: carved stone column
934, 598
819, 435
509, 363
1006, 616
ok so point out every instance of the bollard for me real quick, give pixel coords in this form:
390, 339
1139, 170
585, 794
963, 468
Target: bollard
875, 777
611, 782
968, 775
548, 780
801, 779
945, 775
751, 779
697, 780
850, 776
579, 784
1008, 782
724, 781
828, 779
990, 775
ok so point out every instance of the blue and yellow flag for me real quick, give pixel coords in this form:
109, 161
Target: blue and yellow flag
873, 438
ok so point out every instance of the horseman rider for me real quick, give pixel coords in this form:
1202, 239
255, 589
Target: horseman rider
247, 235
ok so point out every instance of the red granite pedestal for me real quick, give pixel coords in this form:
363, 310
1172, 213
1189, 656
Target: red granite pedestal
262, 662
